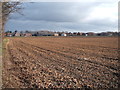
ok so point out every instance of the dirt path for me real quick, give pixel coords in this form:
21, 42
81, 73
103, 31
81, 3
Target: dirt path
60, 62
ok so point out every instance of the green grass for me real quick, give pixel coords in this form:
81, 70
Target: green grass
4, 44
5, 40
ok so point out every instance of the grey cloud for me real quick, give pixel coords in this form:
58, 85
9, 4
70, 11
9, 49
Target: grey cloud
57, 17
57, 12
58, 26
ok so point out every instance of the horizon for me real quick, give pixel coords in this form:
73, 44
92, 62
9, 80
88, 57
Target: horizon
60, 31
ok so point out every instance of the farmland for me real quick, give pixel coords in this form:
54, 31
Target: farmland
55, 62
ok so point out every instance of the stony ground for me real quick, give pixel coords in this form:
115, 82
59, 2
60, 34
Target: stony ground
55, 62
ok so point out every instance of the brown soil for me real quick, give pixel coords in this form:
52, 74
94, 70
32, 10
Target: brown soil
55, 62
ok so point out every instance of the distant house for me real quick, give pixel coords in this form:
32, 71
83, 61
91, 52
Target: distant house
69, 34
110, 33
74, 33
27, 34
21, 33
86, 34
104, 34
56, 34
91, 34
63, 34
98, 34
8, 34
44, 33
59, 33
79, 33
17, 34
83, 34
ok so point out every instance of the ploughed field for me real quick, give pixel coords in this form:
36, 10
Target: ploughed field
55, 62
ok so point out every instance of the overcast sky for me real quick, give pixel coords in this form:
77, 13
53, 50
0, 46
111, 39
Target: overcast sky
66, 16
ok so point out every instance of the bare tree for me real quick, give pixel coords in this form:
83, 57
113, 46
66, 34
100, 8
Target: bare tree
7, 9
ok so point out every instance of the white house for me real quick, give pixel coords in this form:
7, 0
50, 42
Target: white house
64, 34
86, 34
56, 34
